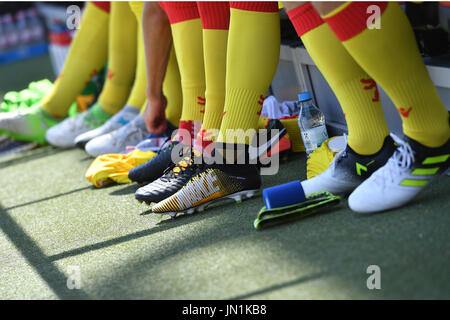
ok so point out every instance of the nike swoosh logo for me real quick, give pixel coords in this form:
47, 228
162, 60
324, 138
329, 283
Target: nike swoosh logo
264, 149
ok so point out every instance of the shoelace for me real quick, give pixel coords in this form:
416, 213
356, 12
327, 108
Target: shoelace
400, 161
176, 169
188, 163
129, 129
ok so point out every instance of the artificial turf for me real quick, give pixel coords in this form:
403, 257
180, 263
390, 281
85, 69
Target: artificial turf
52, 219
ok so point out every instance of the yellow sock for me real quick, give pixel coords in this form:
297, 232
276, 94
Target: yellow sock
356, 91
137, 7
122, 53
187, 40
87, 56
137, 95
262, 122
172, 90
252, 59
215, 18
215, 44
390, 55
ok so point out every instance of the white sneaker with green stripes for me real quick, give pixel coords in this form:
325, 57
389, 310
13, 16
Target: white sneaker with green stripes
410, 169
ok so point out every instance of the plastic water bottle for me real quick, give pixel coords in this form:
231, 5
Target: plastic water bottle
311, 122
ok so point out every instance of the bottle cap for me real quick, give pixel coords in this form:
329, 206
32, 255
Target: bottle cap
304, 96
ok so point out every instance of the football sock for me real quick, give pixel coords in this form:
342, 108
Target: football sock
390, 55
122, 53
355, 90
187, 40
215, 19
252, 58
137, 95
87, 56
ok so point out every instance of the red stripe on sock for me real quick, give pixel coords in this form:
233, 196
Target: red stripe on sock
214, 15
179, 11
187, 125
201, 144
304, 18
104, 5
352, 20
184, 137
259, 6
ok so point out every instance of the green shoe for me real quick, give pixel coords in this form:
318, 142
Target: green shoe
64, 134
26, 98
28, 124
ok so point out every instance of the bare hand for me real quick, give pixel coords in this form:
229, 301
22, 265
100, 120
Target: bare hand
154, 115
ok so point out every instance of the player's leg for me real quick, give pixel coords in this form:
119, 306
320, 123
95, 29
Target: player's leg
87, 56
187, 41
122, 52
163, 92
172, 91
215, 18
135, 131
369, 145
126, 127
122, 58
390, 55
252, 59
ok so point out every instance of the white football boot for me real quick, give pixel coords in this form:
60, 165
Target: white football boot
348, 170
408, 171
120, 119
118, 140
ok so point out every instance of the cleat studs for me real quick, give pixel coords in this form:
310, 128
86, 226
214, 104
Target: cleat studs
191, 211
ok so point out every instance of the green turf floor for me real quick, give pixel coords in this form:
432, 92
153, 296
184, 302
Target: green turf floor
52, 220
